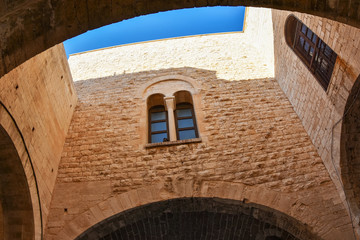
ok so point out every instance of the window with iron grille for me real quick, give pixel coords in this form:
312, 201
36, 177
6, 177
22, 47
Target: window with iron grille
314, 53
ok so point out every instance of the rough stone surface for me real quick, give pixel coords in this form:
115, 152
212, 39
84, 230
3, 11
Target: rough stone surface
320, 112
252, 146
40, 96
250, 135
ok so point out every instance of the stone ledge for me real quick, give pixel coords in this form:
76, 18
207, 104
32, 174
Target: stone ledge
172, 143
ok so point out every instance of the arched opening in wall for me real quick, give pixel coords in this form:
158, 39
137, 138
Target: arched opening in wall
317, 56
17, 218
59, 22
199, 218
350, 150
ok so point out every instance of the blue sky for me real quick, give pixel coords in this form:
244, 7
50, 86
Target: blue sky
161, 25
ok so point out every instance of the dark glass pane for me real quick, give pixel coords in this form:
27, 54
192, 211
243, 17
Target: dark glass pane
187, 134
309, 34
314, 38
311, 51
328, 52
301, 41
306, 46
318, 59
155, 138
184, 112
303, 28
324, 66
184, 123
158, 116
160, 126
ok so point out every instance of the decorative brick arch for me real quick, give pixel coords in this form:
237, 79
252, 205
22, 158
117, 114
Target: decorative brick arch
20, 199
350, 152
280, 202
32, 26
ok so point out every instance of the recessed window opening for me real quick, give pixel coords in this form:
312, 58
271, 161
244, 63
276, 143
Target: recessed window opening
158, 119
171, 118
185, 117
318, 57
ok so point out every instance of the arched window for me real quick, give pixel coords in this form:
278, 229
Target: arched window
171, 118
158, 119
313, 52
185, 116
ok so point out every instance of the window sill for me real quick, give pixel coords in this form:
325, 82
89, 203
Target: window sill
172, 143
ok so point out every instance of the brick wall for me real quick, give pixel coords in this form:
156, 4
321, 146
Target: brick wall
40, 96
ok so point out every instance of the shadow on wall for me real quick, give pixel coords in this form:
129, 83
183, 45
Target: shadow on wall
17, 218
198, 218
350, 150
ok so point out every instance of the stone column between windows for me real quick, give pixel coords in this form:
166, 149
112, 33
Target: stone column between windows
170, 107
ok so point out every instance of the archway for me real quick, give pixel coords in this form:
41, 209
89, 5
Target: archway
17, 217
350, 150
199, 218
30, 27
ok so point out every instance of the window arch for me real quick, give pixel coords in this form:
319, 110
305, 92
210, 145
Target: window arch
317, 56
158, 119
171, 118
185, 116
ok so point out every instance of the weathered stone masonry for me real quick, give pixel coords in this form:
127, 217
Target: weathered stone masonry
250, 135
264, 141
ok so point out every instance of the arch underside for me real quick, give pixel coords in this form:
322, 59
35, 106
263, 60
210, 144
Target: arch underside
199, 218
30, 27
17, 212
350, 149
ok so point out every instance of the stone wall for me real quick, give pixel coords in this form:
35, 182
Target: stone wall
318, 110
250, 135
234, 56
40, 96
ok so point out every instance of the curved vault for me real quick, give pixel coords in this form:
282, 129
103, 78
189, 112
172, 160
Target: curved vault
17, 213
199, 218
350, 149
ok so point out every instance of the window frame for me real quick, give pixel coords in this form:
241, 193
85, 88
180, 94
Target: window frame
153, 110
315, 62
193, 117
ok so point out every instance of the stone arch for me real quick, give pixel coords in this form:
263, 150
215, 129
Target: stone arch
350, 151
31, 27
167, 86
184, 82
20, 203
260, 196
195, 218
